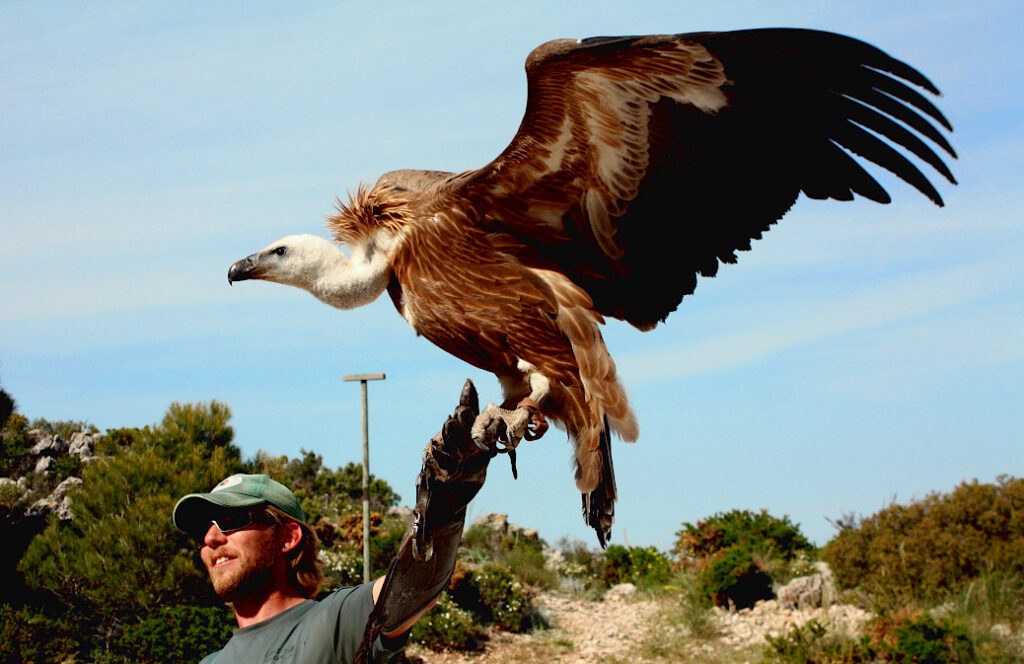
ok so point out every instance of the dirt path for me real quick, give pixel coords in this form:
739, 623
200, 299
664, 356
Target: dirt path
582, 632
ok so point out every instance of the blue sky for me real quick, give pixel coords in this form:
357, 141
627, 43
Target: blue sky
859, 353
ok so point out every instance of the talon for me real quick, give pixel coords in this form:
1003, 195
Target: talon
538, 424
484, 446
512, 460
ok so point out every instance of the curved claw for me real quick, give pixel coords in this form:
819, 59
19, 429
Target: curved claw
538, 425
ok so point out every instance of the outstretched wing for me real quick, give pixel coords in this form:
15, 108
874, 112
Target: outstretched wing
643, 162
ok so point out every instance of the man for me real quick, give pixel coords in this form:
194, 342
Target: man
261, 557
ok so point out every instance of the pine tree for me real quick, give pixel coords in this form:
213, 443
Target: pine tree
121, 556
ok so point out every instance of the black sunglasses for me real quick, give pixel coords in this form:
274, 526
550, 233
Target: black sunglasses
229, 522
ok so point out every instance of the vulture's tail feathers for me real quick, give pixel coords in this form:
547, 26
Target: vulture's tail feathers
599, 504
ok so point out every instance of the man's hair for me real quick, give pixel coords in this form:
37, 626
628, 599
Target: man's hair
303, 566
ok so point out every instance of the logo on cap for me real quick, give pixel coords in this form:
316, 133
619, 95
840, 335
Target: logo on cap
227, 483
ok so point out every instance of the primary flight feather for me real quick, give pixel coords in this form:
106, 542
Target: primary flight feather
640, 163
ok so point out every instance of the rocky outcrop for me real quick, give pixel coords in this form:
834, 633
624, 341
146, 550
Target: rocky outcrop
39, 464
500, 523
809, 592
81, 445
46, 444
57, 502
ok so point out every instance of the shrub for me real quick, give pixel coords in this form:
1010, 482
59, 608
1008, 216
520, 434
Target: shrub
493, 595
447, 626
814, 642
14, 446
27, 636
651, 568
525, 560
772, 536
917, 639
176, 634
617, 566
920, 639
735, 577
927, 550
644, 566
580, 568
342, 566
739, 553
522, 554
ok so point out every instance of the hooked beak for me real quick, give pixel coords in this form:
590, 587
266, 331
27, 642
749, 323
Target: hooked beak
247, 268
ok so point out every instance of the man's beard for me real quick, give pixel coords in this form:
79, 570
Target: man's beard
252, 574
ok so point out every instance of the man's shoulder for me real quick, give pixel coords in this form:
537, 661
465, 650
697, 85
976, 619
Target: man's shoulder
351, 604
211, 658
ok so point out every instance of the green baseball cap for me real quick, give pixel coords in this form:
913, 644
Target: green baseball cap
196, 510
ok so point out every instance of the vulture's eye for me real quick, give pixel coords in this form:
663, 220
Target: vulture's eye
279, 251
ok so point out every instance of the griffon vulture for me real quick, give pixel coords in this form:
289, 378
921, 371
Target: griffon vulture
640, 163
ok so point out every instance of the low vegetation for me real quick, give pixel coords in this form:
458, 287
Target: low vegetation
943, 576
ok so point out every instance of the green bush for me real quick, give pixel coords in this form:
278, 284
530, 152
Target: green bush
342, 566
447, 626
28, 636
580, 568
772, 536
921, 639
522, 554
176, 634
617, 566
735, 577
643, 566
927, 550
14, 446
814, 643
739, 553
493, 596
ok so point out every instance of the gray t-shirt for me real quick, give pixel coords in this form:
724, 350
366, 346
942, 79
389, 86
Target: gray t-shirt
314, 632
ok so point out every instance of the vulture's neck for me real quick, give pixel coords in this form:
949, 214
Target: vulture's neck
349, 283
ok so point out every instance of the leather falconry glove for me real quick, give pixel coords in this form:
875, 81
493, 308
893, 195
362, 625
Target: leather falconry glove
454, 469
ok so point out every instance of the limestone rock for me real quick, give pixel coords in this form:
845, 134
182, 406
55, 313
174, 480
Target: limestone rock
81, 445
500, 523
57, 502
401, 511
809, 592
619, 592
45, 464
47, 445
497, 522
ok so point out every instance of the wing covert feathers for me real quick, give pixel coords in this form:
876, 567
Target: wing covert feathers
644, 162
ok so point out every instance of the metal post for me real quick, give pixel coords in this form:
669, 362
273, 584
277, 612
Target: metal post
362, 378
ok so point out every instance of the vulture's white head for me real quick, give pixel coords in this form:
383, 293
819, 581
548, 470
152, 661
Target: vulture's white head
317, 265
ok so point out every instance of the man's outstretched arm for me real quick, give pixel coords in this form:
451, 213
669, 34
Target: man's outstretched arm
454, 469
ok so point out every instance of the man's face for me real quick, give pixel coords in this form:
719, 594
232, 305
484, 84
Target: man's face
240, 562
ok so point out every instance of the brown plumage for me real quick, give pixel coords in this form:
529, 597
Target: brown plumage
641, 163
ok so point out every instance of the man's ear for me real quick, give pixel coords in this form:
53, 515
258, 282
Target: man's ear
291, 536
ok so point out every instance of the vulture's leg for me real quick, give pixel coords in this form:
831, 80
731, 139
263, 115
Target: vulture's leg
524, 421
